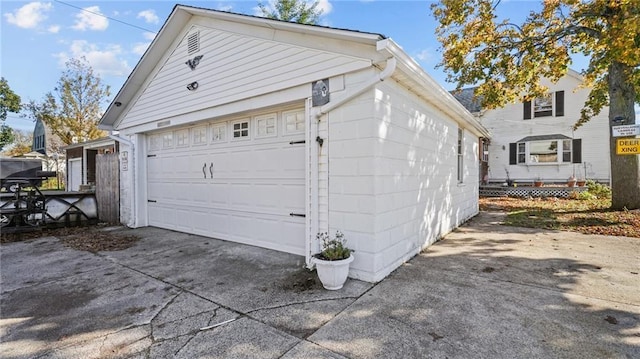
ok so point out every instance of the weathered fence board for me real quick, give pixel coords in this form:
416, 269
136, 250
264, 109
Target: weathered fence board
108, 187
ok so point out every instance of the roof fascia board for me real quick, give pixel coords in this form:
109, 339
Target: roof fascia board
427, 85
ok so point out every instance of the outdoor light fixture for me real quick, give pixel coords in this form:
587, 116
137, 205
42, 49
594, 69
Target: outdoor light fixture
192, 86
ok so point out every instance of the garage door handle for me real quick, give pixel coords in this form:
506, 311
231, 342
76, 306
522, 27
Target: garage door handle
210, 170
297, 214
297, 142
204, 168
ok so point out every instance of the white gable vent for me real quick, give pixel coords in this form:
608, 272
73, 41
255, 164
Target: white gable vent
193, 42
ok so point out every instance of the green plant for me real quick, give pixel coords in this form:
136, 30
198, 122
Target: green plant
598, 190
333, 249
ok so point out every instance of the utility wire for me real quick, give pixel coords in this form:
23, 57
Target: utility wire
105, 16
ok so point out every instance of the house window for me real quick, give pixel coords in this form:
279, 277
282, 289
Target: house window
546, 152
182, 138
241, 129
167, 140
219, 132
294, 121
199, 135
460, 155
522, 152
265, 126
543, 106
552, 104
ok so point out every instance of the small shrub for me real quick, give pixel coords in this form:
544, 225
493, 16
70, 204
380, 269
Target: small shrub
333, 249
585, 196
598, 190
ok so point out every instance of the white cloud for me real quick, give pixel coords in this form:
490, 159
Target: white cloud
325, 6
54, 29
224, 7
91, 19
425, 56
105, 61
149, 35
149, 16
30, 15
140, 47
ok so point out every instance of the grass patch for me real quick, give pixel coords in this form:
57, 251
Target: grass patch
591, 216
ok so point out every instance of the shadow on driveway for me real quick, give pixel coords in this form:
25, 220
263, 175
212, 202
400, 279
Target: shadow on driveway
485, 291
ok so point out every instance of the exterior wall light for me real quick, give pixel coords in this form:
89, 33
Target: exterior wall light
192, 86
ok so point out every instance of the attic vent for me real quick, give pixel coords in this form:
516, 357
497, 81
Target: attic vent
193, 42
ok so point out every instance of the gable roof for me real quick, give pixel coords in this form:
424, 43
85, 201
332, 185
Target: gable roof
409, 72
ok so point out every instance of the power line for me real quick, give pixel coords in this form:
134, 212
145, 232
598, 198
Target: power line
104, 16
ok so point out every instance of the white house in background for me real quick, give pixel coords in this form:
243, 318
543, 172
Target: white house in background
267, 132
535, 139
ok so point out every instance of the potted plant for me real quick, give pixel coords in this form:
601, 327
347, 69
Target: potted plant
538, 182
332, 263
571, 182
580, 182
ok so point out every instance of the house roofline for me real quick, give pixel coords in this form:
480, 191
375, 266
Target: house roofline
175, 23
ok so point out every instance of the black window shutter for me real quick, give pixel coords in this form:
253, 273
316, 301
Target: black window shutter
527, 110
577, 151
513, 154
560, 103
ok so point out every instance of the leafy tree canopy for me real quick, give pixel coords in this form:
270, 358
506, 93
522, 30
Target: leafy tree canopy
300, 11
508, 60
9, 102
72, 112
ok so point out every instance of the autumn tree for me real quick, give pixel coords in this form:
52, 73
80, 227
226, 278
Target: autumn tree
507, 61
21, 144
73, 110
300, 11
9, 102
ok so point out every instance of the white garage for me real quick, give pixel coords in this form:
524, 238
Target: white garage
266, 132
242, 179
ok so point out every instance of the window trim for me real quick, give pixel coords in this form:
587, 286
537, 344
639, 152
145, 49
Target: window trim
241, 137
266, 117
215, 126
284, 122
194, 130
559, 152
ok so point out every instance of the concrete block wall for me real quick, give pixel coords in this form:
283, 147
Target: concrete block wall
393, 186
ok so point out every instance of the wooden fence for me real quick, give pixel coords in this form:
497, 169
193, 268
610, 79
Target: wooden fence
108, 187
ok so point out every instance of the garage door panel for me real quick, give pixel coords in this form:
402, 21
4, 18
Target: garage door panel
238, 190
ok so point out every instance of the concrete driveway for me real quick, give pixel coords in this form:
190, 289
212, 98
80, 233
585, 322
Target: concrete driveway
485, 291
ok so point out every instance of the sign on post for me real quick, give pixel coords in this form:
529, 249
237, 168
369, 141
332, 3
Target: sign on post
628, 146
626, 130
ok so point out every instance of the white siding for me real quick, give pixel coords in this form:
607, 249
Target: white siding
233, 67
507, 125
393, 186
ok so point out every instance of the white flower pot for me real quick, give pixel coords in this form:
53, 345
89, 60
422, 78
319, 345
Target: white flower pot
333, 274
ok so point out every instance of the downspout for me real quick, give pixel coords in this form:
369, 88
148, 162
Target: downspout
133, 176
324, 110
383, 75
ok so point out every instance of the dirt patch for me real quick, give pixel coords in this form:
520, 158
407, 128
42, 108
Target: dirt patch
92, 239
301, 280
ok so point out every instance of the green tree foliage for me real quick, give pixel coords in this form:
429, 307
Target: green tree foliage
9, 102
508, 60
73, 110
300, 11
21, 144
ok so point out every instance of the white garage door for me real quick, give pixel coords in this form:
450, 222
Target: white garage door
241, 180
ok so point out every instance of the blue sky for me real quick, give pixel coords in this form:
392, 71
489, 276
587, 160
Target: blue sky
38, 37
